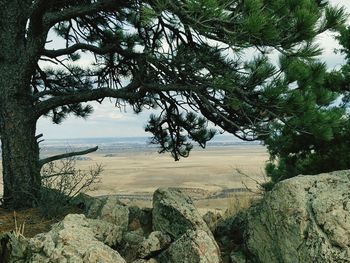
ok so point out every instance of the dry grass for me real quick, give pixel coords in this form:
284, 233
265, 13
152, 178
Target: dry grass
240, 202
28, 222
31, 218
212, 170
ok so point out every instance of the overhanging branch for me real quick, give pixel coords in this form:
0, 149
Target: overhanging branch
84, 96
52, 18
66, 155
133, 91
96, 50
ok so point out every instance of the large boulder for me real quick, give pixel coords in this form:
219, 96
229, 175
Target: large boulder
75, 239
193, 247
109, 209
174, 213
302, 220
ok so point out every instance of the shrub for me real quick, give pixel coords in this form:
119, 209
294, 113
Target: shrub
62, 181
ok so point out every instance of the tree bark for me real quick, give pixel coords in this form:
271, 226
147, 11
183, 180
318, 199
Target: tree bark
20, 152
20, 155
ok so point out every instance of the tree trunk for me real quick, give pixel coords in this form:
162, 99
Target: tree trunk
20, 155
20, 152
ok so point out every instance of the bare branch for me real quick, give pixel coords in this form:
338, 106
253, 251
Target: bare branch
39, 136
56, 174
66, 155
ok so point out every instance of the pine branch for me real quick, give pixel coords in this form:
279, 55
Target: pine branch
85, 96
134, 91
52, 18
66, 155
96, 50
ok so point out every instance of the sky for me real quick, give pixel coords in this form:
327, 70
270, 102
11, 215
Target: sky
108, 121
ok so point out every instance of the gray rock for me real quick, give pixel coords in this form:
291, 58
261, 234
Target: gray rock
109, 209
212, 219
83, 201
72, 240
140, 218
193, 247
305, 219
134, 238
13, 248
152, 260
156, 242
174, 213
108, 233
130, 244
238, 257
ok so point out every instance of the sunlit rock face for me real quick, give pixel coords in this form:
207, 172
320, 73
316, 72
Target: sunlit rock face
303, 219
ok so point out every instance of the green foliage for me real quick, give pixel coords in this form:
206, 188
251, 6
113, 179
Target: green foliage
313, 136
173, 53
169, 131
188, 59
52, 203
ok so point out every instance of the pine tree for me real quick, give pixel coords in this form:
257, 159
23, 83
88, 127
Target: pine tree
158, 53
313, 136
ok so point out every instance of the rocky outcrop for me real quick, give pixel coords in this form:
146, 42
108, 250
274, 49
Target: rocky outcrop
156, 242
109, 209
305, 219
130, 244
75, 239
13, 248
229, 236
192, 247
211, 219
110, 228
174, 213
140, 218
152, 260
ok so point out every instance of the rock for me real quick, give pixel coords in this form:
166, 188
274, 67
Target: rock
229, 234
109, 209
134, 238
174, 213
193, 247
152, 260
73, 240
238, 257
130, 244
156, 242
304, 219
83, 201
13, 248
140, 218
108, 233
212, 219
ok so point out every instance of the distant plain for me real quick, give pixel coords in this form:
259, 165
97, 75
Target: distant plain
210, 175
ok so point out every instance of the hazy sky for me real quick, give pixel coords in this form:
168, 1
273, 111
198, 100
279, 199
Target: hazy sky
108, 121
